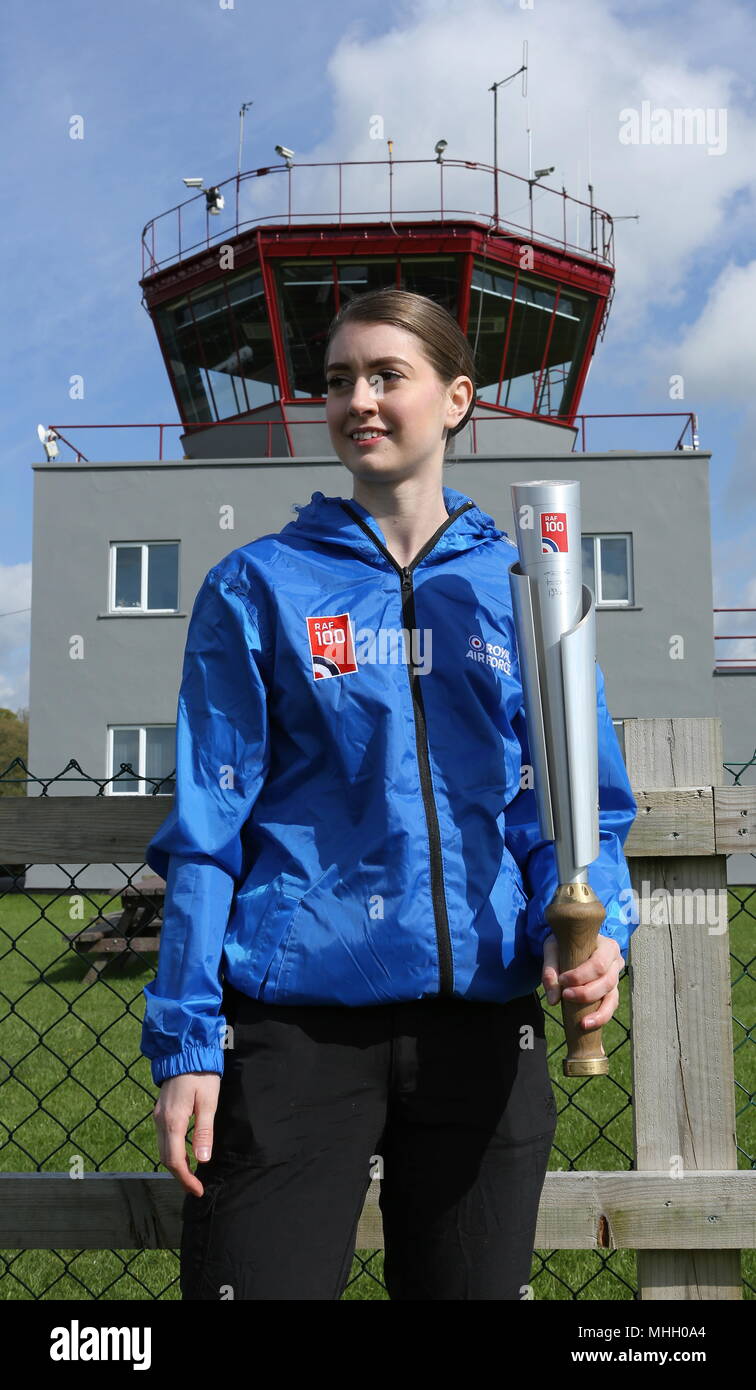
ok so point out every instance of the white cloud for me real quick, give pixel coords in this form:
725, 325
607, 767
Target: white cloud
717, 354
429, 78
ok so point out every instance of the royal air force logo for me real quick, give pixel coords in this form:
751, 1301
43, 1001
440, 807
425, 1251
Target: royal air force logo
490, 653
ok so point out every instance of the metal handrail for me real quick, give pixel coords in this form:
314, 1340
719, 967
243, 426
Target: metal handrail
745, 661
56, 431
599, 224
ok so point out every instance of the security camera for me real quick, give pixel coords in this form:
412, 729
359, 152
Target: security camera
540, 173
193, 183
284, 153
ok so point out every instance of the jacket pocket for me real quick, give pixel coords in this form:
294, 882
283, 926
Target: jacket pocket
276, 905
284, 960
508, 905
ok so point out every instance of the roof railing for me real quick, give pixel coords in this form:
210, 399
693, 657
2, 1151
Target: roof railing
744, 662
190, 228
690, 427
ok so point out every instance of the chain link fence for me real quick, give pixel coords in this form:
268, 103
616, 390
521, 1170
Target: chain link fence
76, 1092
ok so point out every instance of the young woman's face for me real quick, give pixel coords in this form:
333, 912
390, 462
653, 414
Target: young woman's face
378, 377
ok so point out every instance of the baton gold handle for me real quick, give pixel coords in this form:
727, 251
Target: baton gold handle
575, 915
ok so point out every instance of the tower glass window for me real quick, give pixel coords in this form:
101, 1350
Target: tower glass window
219, 348
436, 276
358, 277
307, 302
524, 332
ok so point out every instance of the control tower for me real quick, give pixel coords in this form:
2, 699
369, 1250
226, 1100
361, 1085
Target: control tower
241, 304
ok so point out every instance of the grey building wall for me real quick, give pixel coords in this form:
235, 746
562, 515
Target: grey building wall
306, 435
131, 667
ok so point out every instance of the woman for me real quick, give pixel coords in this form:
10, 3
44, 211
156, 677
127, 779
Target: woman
354, 924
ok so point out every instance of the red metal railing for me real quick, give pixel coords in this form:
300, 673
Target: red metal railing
579, 421
729, 661
689, 416
177, 233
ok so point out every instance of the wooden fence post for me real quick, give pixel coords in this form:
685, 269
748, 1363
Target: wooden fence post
682, 1051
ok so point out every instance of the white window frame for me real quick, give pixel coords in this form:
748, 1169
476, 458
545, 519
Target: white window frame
144, 547
140, 770
597, 537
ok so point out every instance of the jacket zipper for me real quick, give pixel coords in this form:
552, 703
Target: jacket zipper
441, 915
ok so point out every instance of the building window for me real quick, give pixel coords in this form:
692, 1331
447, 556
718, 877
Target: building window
307, 302
149, 752
608, 569
528, 337
144, 576
438, 277
218, 346
306, 305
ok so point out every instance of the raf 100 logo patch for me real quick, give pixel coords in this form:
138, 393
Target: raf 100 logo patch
331, 645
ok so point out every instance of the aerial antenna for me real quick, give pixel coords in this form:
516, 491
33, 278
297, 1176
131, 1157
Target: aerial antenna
495, 89
244, 107
527, 105
590, 186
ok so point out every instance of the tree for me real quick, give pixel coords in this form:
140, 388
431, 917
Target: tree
14, 743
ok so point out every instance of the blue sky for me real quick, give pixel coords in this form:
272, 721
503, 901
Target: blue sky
159, 84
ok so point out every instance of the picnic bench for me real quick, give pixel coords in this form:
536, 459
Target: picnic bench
121, 934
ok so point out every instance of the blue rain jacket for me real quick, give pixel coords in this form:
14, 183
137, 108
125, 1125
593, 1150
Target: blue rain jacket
348, 825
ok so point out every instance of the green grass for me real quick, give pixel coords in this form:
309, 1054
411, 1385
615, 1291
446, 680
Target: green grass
73, 1083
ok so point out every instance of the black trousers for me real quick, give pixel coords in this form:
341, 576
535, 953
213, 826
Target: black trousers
448, 1101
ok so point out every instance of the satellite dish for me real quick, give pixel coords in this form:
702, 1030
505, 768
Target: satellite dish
47, 439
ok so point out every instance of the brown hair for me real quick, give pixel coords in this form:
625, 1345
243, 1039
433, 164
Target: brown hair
442, 341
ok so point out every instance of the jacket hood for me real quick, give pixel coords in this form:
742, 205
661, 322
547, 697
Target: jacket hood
328, 521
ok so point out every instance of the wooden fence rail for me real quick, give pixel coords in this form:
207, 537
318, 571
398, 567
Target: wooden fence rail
686, 1207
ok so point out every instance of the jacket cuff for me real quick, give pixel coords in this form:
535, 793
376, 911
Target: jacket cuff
191, 1059
621, 920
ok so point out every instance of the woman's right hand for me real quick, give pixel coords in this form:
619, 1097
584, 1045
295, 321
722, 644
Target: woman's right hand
191, 1093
